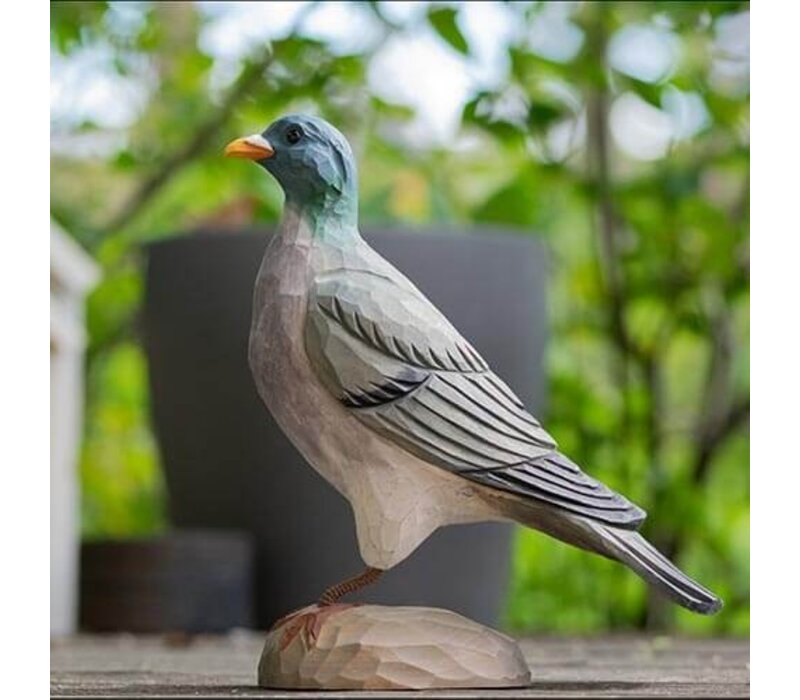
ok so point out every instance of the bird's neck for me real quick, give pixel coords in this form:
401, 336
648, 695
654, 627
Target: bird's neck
329, 219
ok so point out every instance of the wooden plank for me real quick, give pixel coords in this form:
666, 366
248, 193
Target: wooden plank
225, 666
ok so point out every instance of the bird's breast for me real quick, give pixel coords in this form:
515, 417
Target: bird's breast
298, 402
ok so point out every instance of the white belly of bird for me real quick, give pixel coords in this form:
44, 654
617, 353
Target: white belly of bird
397, 499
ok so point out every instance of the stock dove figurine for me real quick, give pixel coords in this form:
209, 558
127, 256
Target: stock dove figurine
389, 403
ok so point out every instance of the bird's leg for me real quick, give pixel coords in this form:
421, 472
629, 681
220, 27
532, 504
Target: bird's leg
332, 594
309, 620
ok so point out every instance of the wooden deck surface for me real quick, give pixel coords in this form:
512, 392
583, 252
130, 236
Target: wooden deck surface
224, 666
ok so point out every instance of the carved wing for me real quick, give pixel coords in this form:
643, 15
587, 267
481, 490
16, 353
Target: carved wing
395, 362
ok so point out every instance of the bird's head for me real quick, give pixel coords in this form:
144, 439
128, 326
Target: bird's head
309, 158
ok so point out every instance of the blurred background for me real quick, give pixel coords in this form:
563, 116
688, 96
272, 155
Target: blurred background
608, 141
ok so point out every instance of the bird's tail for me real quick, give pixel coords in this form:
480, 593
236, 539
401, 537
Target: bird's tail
629, 547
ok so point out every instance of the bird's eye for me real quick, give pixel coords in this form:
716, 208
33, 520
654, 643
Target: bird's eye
294, 134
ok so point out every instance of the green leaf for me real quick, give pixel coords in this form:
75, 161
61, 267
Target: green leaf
543, 114
443, 20
125, 160
478, 112
513, 204
649, 92
391, 110
72, 22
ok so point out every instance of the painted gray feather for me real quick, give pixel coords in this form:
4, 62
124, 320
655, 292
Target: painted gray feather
401, 368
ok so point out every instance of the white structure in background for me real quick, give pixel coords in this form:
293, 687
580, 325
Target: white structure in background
72, 275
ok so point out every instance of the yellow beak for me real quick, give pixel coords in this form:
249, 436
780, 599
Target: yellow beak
254, 147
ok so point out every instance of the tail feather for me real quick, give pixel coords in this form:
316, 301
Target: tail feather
620, 543
633, 550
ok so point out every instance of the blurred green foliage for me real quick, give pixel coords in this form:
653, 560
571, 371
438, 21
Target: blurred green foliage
649, 291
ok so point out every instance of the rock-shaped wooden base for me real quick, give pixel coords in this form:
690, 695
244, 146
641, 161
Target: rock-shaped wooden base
376, 647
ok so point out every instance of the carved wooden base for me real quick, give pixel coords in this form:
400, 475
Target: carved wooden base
376, 647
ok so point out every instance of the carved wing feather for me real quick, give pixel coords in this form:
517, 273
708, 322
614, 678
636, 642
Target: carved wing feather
395, 362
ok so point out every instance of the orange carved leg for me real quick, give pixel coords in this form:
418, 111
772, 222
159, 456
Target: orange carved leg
332, 594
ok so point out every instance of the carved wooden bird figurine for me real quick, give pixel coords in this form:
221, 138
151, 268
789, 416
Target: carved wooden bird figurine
389, 403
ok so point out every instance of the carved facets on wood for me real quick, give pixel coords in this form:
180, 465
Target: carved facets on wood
374, 647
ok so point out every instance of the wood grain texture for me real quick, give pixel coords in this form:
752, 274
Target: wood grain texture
378, 647
224, 666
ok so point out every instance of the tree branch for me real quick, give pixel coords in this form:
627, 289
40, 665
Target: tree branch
597, 118
598, 152
203, 136
615, 287
738, 412
197, 144
720, 414
716, 395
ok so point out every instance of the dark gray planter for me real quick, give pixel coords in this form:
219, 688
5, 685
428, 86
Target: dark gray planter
185, 581
227, 464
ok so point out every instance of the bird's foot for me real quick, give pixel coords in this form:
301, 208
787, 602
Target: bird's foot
307, 622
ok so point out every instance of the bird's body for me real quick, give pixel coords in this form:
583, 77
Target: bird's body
388, 402
397, 499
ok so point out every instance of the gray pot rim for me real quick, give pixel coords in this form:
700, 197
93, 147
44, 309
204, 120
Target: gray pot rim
504, 235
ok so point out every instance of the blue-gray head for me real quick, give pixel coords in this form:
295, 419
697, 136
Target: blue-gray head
309, 158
